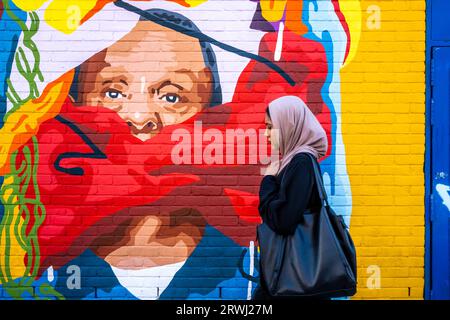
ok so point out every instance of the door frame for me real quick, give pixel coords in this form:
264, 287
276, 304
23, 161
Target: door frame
427, 164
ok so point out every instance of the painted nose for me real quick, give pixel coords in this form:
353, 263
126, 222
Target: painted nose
142, 122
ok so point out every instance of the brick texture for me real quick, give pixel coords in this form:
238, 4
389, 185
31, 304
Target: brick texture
94, 103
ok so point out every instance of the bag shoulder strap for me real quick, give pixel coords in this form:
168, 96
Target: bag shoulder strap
319, 180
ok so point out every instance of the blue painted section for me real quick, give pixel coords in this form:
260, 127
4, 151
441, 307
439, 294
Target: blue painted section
437, 160
440, 155
9, 36
329, 164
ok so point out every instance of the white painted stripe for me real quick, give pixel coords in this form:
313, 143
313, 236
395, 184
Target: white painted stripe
50, 274
443, 190
279, 46
252, 268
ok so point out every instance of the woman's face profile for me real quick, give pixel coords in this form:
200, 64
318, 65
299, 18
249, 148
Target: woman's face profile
148, 78
270, 133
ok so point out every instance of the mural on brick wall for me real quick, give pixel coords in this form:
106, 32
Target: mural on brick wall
132, 139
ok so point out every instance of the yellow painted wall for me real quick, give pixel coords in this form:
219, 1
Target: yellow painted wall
383, 106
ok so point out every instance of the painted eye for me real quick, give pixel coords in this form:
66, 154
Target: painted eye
171, 98
113, 94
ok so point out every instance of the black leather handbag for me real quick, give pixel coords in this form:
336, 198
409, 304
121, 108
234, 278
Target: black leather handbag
318, 260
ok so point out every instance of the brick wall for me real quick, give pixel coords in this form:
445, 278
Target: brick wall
383, 99
118, 176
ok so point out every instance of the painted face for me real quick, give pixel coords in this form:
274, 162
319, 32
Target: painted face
149, 78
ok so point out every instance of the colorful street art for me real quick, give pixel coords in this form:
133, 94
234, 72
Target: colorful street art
121, 128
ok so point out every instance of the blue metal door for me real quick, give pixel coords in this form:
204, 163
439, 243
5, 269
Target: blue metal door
440, 169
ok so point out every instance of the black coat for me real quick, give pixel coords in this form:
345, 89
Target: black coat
283, 199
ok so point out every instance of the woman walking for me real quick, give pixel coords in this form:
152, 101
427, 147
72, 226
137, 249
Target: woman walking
289, 187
